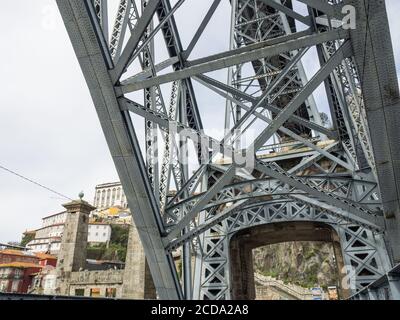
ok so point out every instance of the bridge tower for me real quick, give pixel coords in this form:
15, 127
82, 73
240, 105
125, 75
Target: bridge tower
295, 171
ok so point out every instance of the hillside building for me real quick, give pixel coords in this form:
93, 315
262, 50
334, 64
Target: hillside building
48, 237
18, 269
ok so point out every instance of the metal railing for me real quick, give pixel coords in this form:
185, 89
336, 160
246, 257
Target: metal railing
296, 292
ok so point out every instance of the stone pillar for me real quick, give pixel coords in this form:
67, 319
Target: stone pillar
137, 281
242, 272
72, 256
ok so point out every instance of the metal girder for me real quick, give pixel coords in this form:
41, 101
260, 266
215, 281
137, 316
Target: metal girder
199, 205
366, 217
200, 29
260, 101
101, 9
386, 287
360, 247
239, 94
324, 6
171, 158
80, 22
284, 130
307, 90
140, 29
288, 11
174, 48
268, 48
349, 192
376, 68
149, 71
164, 123
119, 29
275, 92
149, 37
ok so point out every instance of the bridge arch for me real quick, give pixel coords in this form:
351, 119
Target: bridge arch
360, 248
243, 242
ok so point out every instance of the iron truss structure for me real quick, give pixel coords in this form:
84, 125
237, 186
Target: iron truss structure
345, 175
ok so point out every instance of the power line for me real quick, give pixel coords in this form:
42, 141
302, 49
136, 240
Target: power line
34, 182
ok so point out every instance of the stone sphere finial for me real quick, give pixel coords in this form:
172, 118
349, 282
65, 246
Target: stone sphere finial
81, 195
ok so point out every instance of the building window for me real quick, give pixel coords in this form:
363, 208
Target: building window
97, 233
111, 292
108, 197
80, 292
97, 201
104, 234
113, 196
95, 292
103, 197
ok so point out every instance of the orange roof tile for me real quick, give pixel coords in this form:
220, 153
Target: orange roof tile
17, 264
14, 252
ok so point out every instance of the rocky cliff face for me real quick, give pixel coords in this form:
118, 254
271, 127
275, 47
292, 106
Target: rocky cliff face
306, 264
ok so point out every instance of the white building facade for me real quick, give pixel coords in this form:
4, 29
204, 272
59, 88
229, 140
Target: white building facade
51, 245
48, 237
99, 233
54, 219
110, 195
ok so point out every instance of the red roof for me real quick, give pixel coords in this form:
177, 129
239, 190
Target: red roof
15, 252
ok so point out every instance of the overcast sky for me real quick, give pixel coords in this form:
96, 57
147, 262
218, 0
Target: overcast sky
49, 130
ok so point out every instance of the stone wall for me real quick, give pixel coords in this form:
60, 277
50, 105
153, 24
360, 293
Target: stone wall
134, 282
97, 277
138, 283
100, 280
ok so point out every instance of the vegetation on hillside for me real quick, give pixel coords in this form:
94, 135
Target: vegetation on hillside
306, 264
27, 237
113, 251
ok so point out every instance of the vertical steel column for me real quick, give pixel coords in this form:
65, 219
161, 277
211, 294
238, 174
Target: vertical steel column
373, 54
150, 100
183, 160
94, 57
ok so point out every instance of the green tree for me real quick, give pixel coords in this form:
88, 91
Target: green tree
116, 249
119, 234
26, 238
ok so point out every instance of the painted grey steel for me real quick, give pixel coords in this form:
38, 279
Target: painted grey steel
81, 25
380, 87
349, 182
386, 287
231, 58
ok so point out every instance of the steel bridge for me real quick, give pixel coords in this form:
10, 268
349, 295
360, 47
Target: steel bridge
295, 170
